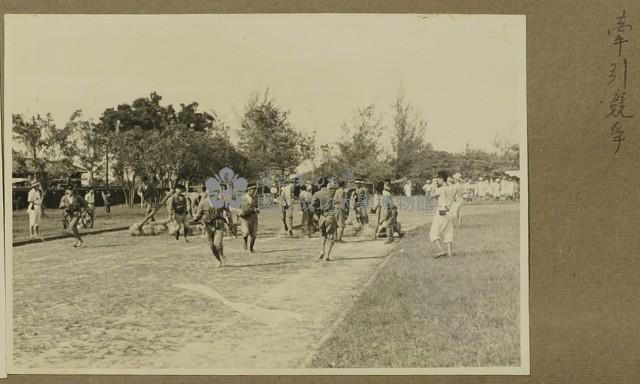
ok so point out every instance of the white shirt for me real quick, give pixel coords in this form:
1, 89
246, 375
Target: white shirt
34, 196
446, 194
407, 189
286, 195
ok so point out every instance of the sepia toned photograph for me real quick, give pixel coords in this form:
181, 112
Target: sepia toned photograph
266, 194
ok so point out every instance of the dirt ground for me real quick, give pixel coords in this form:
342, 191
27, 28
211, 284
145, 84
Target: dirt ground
152, 302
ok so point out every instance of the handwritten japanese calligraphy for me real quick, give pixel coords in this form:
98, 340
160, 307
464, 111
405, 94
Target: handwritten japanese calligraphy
617, 80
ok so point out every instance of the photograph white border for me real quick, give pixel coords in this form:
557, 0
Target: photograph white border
524, 368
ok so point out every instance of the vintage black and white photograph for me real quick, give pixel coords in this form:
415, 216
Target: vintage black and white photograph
266, 194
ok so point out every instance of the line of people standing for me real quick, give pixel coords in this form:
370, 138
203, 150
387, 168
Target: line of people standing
498, 189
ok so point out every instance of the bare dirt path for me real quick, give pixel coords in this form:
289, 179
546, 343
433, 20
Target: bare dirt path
151, 302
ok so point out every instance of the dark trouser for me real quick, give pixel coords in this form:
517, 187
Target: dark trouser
107, 208
65, 219
328, 227
307, 220
149, 210
181, 221
249, 227
391, 224
341, 219
75, 219
214, 234
363, 215
92, 212
287, 218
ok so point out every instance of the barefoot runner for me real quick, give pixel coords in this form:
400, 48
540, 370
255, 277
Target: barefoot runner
325, 208
249, 218
286, 205
213, 223
179, 206
74, 212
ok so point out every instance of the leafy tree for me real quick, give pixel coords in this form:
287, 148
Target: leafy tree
32, 134
360, 151
19, 162
269, 140
194, 120
49, 151
90, 141
149, 140
408, 140
429, 161
129, 149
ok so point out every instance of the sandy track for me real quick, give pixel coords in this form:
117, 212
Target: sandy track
151, 302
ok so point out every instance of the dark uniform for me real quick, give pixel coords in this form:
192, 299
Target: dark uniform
389, 214
213, 223
341, 211
306, 206
362, 204
106, 198
179, 206
323, 203
149, 193
74, 211
249, 217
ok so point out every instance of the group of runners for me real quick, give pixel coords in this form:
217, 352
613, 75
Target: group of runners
324, 208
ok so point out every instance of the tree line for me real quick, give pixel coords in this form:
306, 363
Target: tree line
145, 140
360, 150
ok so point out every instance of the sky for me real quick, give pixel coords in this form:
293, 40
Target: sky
464, 74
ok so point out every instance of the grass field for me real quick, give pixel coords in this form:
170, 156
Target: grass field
453, 312
124, 302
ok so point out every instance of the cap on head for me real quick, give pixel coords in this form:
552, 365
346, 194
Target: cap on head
457, 176
443, 175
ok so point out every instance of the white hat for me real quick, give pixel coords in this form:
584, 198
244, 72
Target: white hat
457, 176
